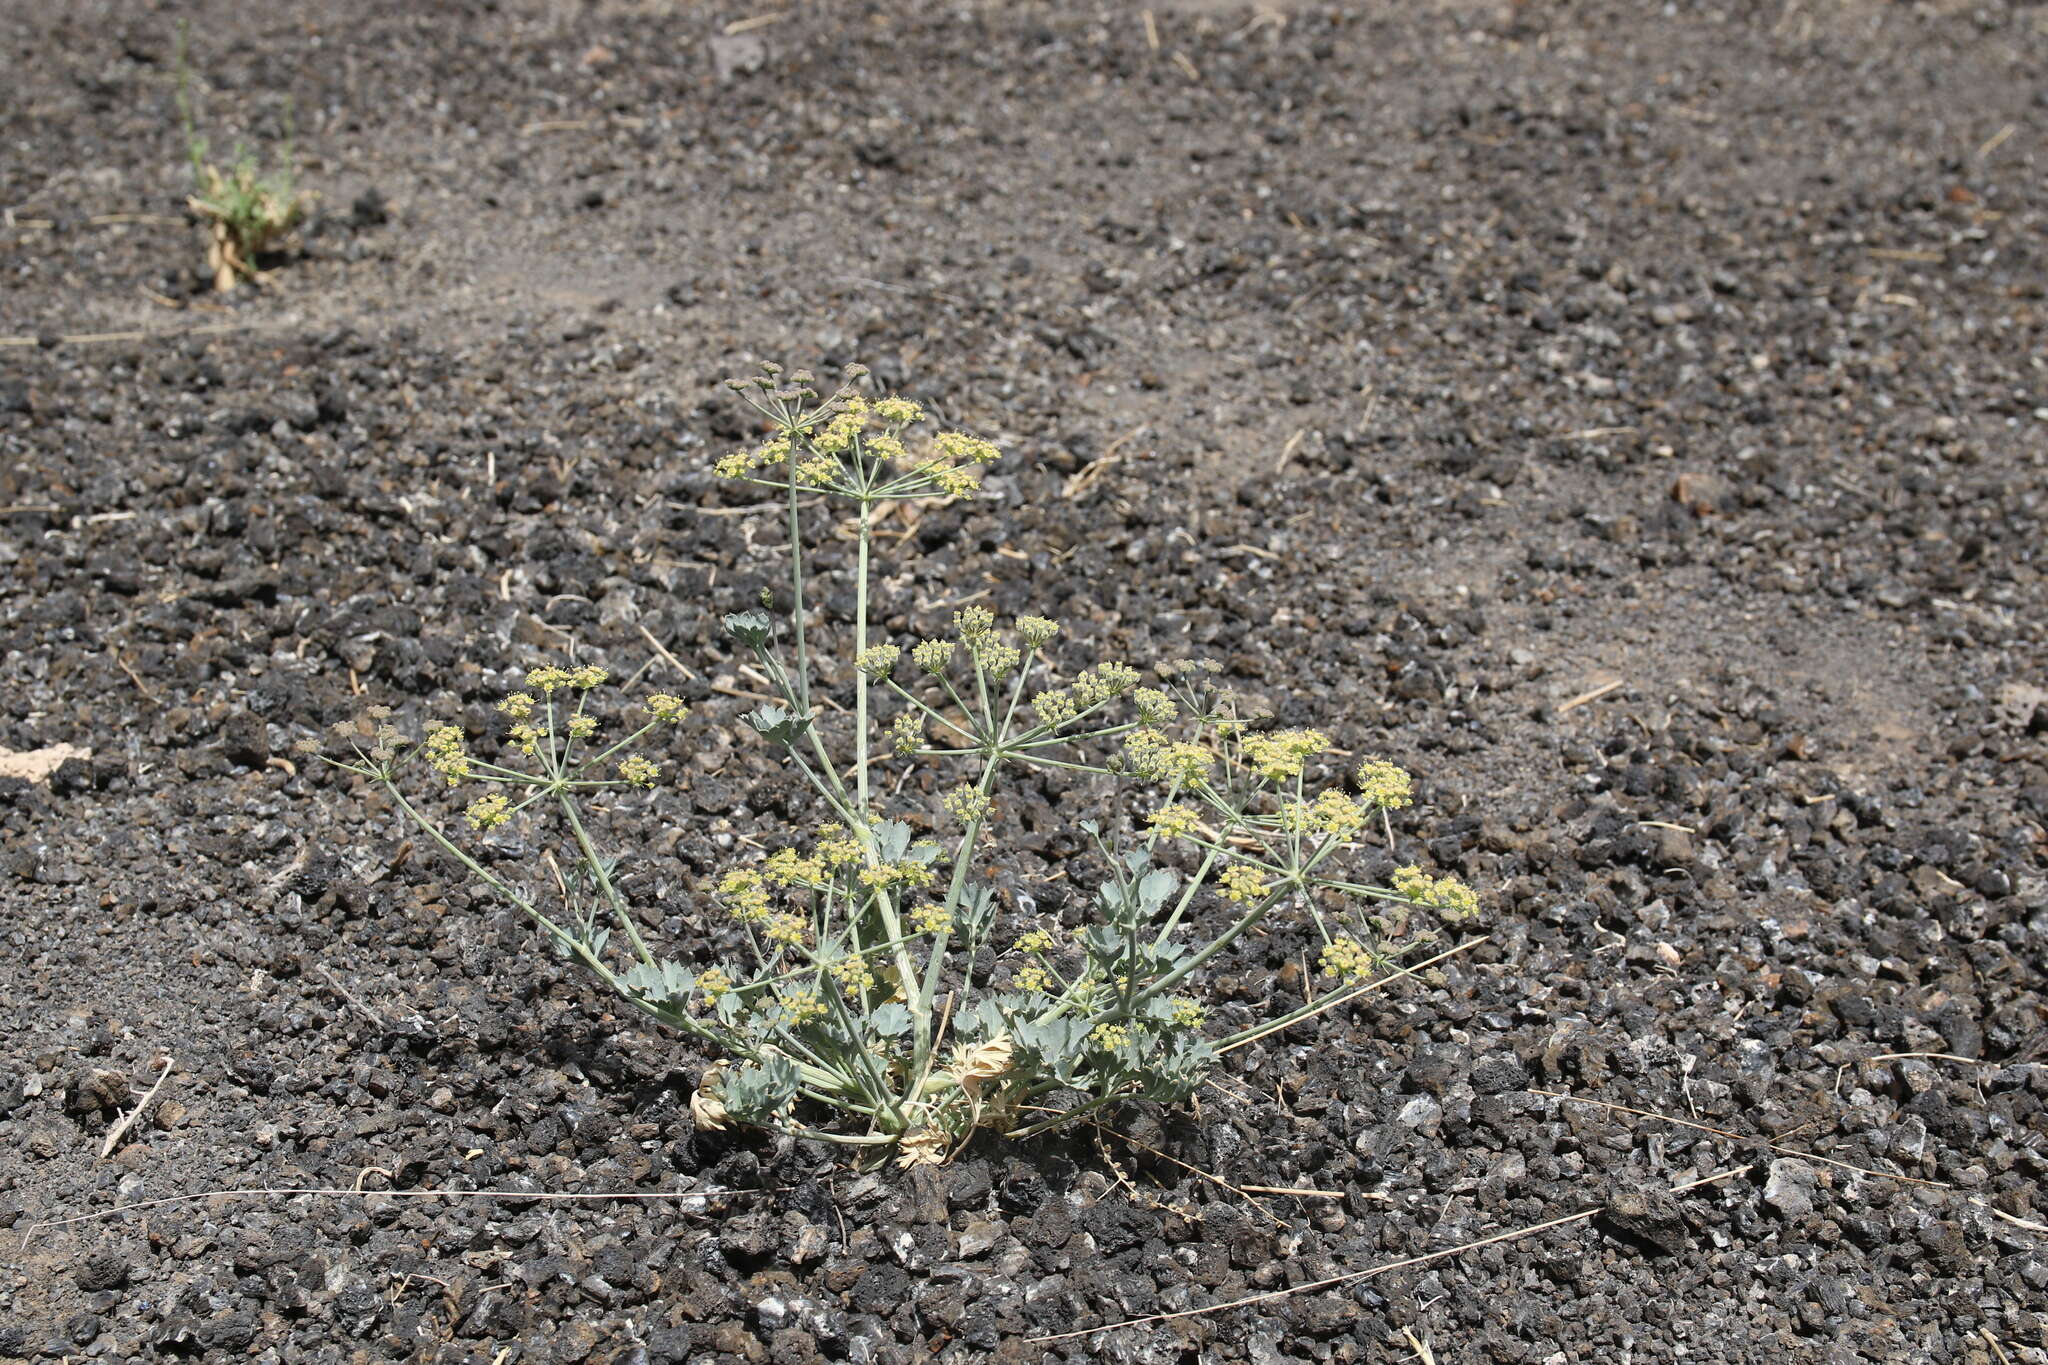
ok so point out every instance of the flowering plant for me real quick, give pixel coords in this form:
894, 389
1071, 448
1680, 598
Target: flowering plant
846, 981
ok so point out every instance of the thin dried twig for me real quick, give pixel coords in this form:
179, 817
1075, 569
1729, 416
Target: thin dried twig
1345, 997
1592, 694
725, 687
673, 662
1241, 1191
334, 983
1992, 144
1370, 1271
120, 1130
357, 1192
89, 338
739, 26
1289, 1189
1931, 1056
1287, 451
1083, 481
1740, 1137
121, 661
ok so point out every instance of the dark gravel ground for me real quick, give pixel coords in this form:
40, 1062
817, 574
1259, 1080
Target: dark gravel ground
1433, 366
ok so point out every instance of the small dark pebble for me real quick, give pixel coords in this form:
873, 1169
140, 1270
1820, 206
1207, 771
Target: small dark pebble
1649, 1217
102, 1270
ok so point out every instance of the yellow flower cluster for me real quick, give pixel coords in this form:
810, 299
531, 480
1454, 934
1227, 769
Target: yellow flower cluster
518, 706
1282, 754
1174, 822
741, 463
713, 983
882, 876
1054, 707
1332, 812
906, 733
1448, 894
953, 482
932, 655
1412, 882
1243, 885
527, 738
878, 661
974, 622
582, 727
968, 806
958, 445
1110, 1037
818, 471
1154, 706
1152, 755
1188, 1013
638, 771
1347, 958
1033, 978
840, 433
786, 867
994, 657
745, 893
1036, 941
853, 975
1382, 784
787, 930
444, 753
1037, 631
837, 847
550, 679
931, 918
663, 707
1104, 681
488, 812
801, 1007
898, 412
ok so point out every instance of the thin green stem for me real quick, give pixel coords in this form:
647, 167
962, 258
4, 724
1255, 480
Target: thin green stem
1334, 999
603, 878
796, 607
860, 649
937, 715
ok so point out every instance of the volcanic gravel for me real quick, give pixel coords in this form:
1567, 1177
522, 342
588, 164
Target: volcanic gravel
1630, 418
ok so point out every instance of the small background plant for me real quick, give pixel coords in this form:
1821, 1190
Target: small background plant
246, 210
868, 985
